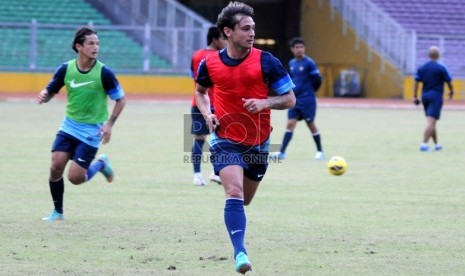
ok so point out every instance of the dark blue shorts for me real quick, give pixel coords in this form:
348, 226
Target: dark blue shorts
303, 111
199, 126
81, 153
227, 153
432, 104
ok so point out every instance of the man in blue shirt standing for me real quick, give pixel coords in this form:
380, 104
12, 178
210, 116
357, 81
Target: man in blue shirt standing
433, 75
307, 80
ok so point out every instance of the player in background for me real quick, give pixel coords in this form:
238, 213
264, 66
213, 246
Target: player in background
215, 42
432, 75
307, 80
239, 145
88, 84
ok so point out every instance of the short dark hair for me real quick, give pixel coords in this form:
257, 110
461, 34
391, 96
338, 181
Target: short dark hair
213, 33
433, 52
80, 36
296, 40
227, 17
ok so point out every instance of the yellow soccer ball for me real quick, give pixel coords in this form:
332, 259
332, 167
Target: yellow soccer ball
337, 165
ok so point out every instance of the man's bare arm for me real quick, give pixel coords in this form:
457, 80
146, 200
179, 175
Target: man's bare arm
282, 102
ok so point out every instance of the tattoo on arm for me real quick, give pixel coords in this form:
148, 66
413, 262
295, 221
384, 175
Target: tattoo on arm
281, 102
276, 103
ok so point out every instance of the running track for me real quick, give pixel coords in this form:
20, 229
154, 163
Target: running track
322, 102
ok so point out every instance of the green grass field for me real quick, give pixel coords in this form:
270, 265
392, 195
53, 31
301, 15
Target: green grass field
395, 212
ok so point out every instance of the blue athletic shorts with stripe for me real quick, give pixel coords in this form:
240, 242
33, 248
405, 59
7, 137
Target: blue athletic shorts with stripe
254, 160
81, 153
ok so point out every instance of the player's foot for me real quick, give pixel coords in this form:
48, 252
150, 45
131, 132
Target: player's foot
107, 170
277, 156
215, 178
319, 155
198, 180
424, 147
438, 147
54, 215
242, 263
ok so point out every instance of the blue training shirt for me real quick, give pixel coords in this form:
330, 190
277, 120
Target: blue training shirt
433, 75
306, 77
274, 73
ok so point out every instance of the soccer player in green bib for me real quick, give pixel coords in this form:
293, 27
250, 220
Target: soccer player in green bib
88, 84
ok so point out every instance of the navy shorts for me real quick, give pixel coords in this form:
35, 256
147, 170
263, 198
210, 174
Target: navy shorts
303, 111
226, 153
81, 153
199, 126
432, 104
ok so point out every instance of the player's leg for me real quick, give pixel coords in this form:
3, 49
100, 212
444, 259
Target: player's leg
199, 130
234, 214
316, 134
227, 160
253, 174
293, 115
197, 151
309, 114
426, 133
81, 168
430, 129
250, 188
56, 184
61, 153
319, 155
436, 114
432, 106
290, 126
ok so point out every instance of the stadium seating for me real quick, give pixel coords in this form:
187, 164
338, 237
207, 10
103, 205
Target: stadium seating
425, 16
433, 20
118, 50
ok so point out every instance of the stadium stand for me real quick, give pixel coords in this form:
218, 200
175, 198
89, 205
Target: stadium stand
444, 17
438, 22
118, 50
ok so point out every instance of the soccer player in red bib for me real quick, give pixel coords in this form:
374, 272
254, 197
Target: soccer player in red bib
215, 42
241, 76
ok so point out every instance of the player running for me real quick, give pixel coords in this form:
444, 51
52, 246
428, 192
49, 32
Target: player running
241, 75
88, 84
215, 42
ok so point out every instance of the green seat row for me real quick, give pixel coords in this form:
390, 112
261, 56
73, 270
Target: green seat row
54, 45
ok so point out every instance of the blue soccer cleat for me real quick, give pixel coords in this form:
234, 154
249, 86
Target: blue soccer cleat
54, 215
438, 147
107, 170
242, 263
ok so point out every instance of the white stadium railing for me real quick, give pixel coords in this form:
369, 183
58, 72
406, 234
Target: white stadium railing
173, 31
405, 49
380, 31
